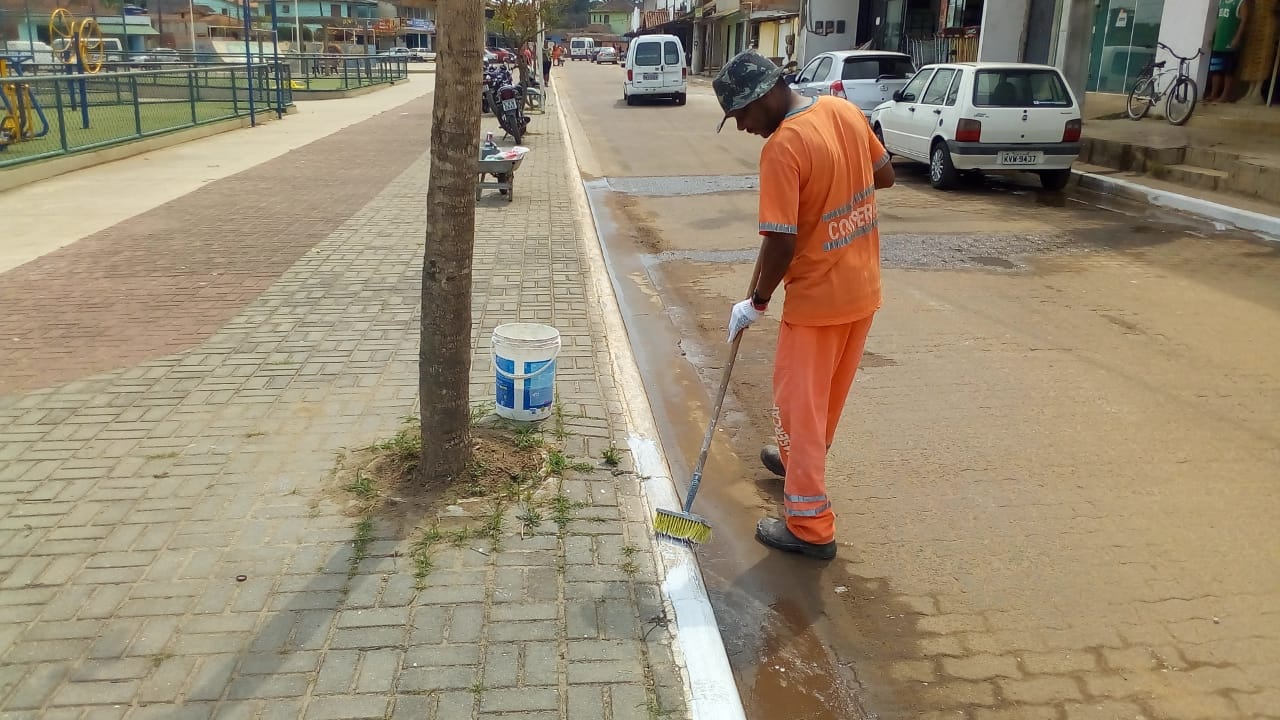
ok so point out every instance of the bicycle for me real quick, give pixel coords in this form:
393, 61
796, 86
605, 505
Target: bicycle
1181, 90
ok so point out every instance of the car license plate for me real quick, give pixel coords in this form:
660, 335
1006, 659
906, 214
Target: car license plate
1014, 157
650, 76
509, 105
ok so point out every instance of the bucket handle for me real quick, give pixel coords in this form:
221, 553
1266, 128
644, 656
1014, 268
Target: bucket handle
548, 364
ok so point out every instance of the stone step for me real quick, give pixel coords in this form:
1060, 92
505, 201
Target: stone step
1210, 158
1257, 177
1192, 167
1192, 176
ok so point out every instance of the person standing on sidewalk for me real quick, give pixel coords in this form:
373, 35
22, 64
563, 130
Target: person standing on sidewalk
819, 169
1228, 37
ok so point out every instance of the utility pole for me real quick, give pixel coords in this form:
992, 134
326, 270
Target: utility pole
542, 44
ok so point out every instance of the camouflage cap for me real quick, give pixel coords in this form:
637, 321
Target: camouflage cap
747, 77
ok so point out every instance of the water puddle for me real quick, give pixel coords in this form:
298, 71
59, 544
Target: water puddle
771, 609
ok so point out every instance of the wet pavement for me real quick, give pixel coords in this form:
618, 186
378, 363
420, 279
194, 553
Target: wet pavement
1055, 478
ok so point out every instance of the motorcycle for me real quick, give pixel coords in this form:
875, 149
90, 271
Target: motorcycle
505, 100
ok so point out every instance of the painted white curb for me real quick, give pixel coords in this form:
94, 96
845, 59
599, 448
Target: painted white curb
1266, 225
711, 691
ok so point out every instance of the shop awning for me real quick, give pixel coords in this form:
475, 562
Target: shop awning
773, 14
118, 28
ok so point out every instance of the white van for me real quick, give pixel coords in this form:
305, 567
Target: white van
37, 52
582, 48
112, 50
656, 68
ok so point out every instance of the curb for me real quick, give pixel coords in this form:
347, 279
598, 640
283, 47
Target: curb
1267, 226
710, 689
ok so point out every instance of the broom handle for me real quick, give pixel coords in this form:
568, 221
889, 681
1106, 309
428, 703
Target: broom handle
715, 411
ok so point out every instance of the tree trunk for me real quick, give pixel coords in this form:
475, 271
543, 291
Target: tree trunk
444, 359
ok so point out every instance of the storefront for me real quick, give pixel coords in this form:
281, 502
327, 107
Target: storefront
419, 33
1125, 33
773, 34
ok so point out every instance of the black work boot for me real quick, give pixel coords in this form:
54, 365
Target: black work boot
771, 458
774, 533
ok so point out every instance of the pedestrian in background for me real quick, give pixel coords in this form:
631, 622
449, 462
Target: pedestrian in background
546, 63
819, 169
1228, 37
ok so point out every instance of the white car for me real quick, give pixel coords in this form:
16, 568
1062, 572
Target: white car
865, 78
405, 53
984, 117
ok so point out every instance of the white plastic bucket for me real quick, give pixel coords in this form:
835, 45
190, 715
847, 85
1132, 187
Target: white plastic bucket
524, 365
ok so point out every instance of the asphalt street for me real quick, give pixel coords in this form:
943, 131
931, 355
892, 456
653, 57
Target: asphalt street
1055, 479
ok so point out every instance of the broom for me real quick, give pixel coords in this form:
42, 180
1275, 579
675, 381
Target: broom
684, 525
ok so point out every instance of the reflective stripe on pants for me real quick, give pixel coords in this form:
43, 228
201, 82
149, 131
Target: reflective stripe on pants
812, 375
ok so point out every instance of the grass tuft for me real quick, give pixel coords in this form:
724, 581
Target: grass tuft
362, 486
360, 543
612, 456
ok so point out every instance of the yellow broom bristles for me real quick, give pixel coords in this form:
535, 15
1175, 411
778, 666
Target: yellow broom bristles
680, 526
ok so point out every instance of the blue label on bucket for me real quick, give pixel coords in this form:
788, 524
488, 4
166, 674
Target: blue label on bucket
506, 386
539, 390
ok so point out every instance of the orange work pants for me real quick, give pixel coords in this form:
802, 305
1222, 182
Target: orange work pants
812, 375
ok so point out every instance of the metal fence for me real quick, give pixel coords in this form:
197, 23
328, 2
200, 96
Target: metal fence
44, 114
322, 73
50, 115
315, 72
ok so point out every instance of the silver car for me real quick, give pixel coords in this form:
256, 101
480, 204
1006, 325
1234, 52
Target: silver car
606, 55
865, 78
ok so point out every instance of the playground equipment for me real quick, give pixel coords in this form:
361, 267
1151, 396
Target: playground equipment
82, 52
21, 109
80, 43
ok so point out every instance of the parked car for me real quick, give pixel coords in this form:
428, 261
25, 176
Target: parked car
984, 117
490, 56
155, 58
499, 55
655, 68
865, 78
606, 55
399, 53
412, 54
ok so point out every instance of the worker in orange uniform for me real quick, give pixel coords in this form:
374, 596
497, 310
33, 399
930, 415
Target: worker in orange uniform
819, 169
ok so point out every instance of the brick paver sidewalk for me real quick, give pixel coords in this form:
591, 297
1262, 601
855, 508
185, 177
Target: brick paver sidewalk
172, 395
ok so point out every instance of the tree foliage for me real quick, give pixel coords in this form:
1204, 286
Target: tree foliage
577, 13
520, 20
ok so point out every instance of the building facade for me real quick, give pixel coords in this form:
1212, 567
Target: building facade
616, 15
1105, 44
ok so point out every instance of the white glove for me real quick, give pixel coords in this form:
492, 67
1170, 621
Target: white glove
743, 314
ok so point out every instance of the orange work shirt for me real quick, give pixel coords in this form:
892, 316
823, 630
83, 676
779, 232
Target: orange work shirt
817, 181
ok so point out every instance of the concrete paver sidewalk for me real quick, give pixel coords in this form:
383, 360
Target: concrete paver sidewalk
166, 548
